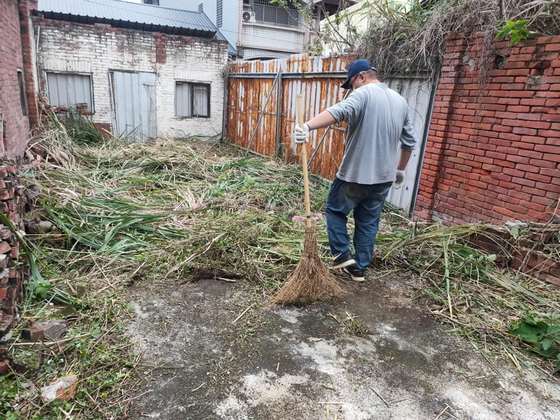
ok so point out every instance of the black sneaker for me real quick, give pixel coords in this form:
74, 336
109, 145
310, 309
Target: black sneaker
356, 274
343, 261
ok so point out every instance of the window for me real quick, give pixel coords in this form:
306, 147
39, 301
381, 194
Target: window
22, 97
192, 100
154, 2
219, 13
67, 90
268, 13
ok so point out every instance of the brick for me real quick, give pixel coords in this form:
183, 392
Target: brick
521, 71
533, 101
514, 86
517, 159
4, 247
550, 117
550, 171
525, 130
546, 94
496, 155
514, 173
520, 57
530, 153
47, 330
518, 108
505, 164
502, 79
510, 136
533, 139
538, 177
4, 293
545, 164
552, 47
4, 367
509, 101
513, 93
547, 149
503, 128
553, 102
527, 168
523, 181
549, 133
522, 145
491, 168
541, 200
518, 195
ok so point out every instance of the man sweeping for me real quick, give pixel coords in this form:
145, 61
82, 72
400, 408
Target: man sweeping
378, 123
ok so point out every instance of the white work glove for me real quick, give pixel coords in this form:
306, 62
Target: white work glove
399, 179
301, 134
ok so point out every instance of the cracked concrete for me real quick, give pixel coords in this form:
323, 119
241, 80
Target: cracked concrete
299, 363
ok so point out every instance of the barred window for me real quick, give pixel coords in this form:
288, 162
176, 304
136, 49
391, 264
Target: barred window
67, 90
192, 100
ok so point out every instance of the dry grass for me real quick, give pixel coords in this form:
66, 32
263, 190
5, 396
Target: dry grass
407, 40
463, 287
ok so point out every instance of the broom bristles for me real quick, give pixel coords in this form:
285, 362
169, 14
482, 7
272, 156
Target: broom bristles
311, 281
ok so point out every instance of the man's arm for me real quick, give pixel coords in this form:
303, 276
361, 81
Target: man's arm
322, 120
344, 110
405, 157
408, 141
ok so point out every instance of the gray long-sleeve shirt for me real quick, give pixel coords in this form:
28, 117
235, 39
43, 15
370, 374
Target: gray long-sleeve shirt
378, 121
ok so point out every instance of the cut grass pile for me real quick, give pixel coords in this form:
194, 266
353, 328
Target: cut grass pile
126, 213
163, 211
464, 288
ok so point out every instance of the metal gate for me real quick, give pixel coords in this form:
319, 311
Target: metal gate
261, 112
419, 93
134, 102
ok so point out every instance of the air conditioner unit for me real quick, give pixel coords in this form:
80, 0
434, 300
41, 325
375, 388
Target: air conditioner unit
249, 16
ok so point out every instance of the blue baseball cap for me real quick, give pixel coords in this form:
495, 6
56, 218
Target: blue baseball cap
356, 67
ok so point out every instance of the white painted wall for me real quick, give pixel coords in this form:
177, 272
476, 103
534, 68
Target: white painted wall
97, 49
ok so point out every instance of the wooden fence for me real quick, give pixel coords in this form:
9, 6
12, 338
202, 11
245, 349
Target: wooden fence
260, 113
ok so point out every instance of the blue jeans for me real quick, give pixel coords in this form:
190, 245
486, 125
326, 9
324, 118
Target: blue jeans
367, 203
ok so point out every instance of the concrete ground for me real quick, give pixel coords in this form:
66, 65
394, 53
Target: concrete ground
211, 351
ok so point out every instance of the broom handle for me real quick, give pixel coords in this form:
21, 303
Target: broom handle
300, 122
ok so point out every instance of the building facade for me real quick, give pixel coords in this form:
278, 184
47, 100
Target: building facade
137, 83
258, 29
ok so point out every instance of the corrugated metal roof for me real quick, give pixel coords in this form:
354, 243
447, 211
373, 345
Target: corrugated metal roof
122, 11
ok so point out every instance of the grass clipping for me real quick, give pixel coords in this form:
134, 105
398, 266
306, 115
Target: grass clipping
311, 281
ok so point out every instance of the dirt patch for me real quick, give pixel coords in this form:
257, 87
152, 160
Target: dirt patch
274, 363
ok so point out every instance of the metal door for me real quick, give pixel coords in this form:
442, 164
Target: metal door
134, 99
419, 94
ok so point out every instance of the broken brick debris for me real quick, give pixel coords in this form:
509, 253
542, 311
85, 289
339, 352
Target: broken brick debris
62, 389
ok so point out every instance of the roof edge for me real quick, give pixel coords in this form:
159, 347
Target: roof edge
173, 30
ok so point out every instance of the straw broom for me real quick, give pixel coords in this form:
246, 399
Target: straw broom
311, 281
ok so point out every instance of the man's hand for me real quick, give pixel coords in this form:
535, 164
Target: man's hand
301, 134
399, 179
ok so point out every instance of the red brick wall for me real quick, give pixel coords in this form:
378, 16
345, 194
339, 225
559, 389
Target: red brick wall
493, 151
26, 7
16, 124
16, 53
12, 268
